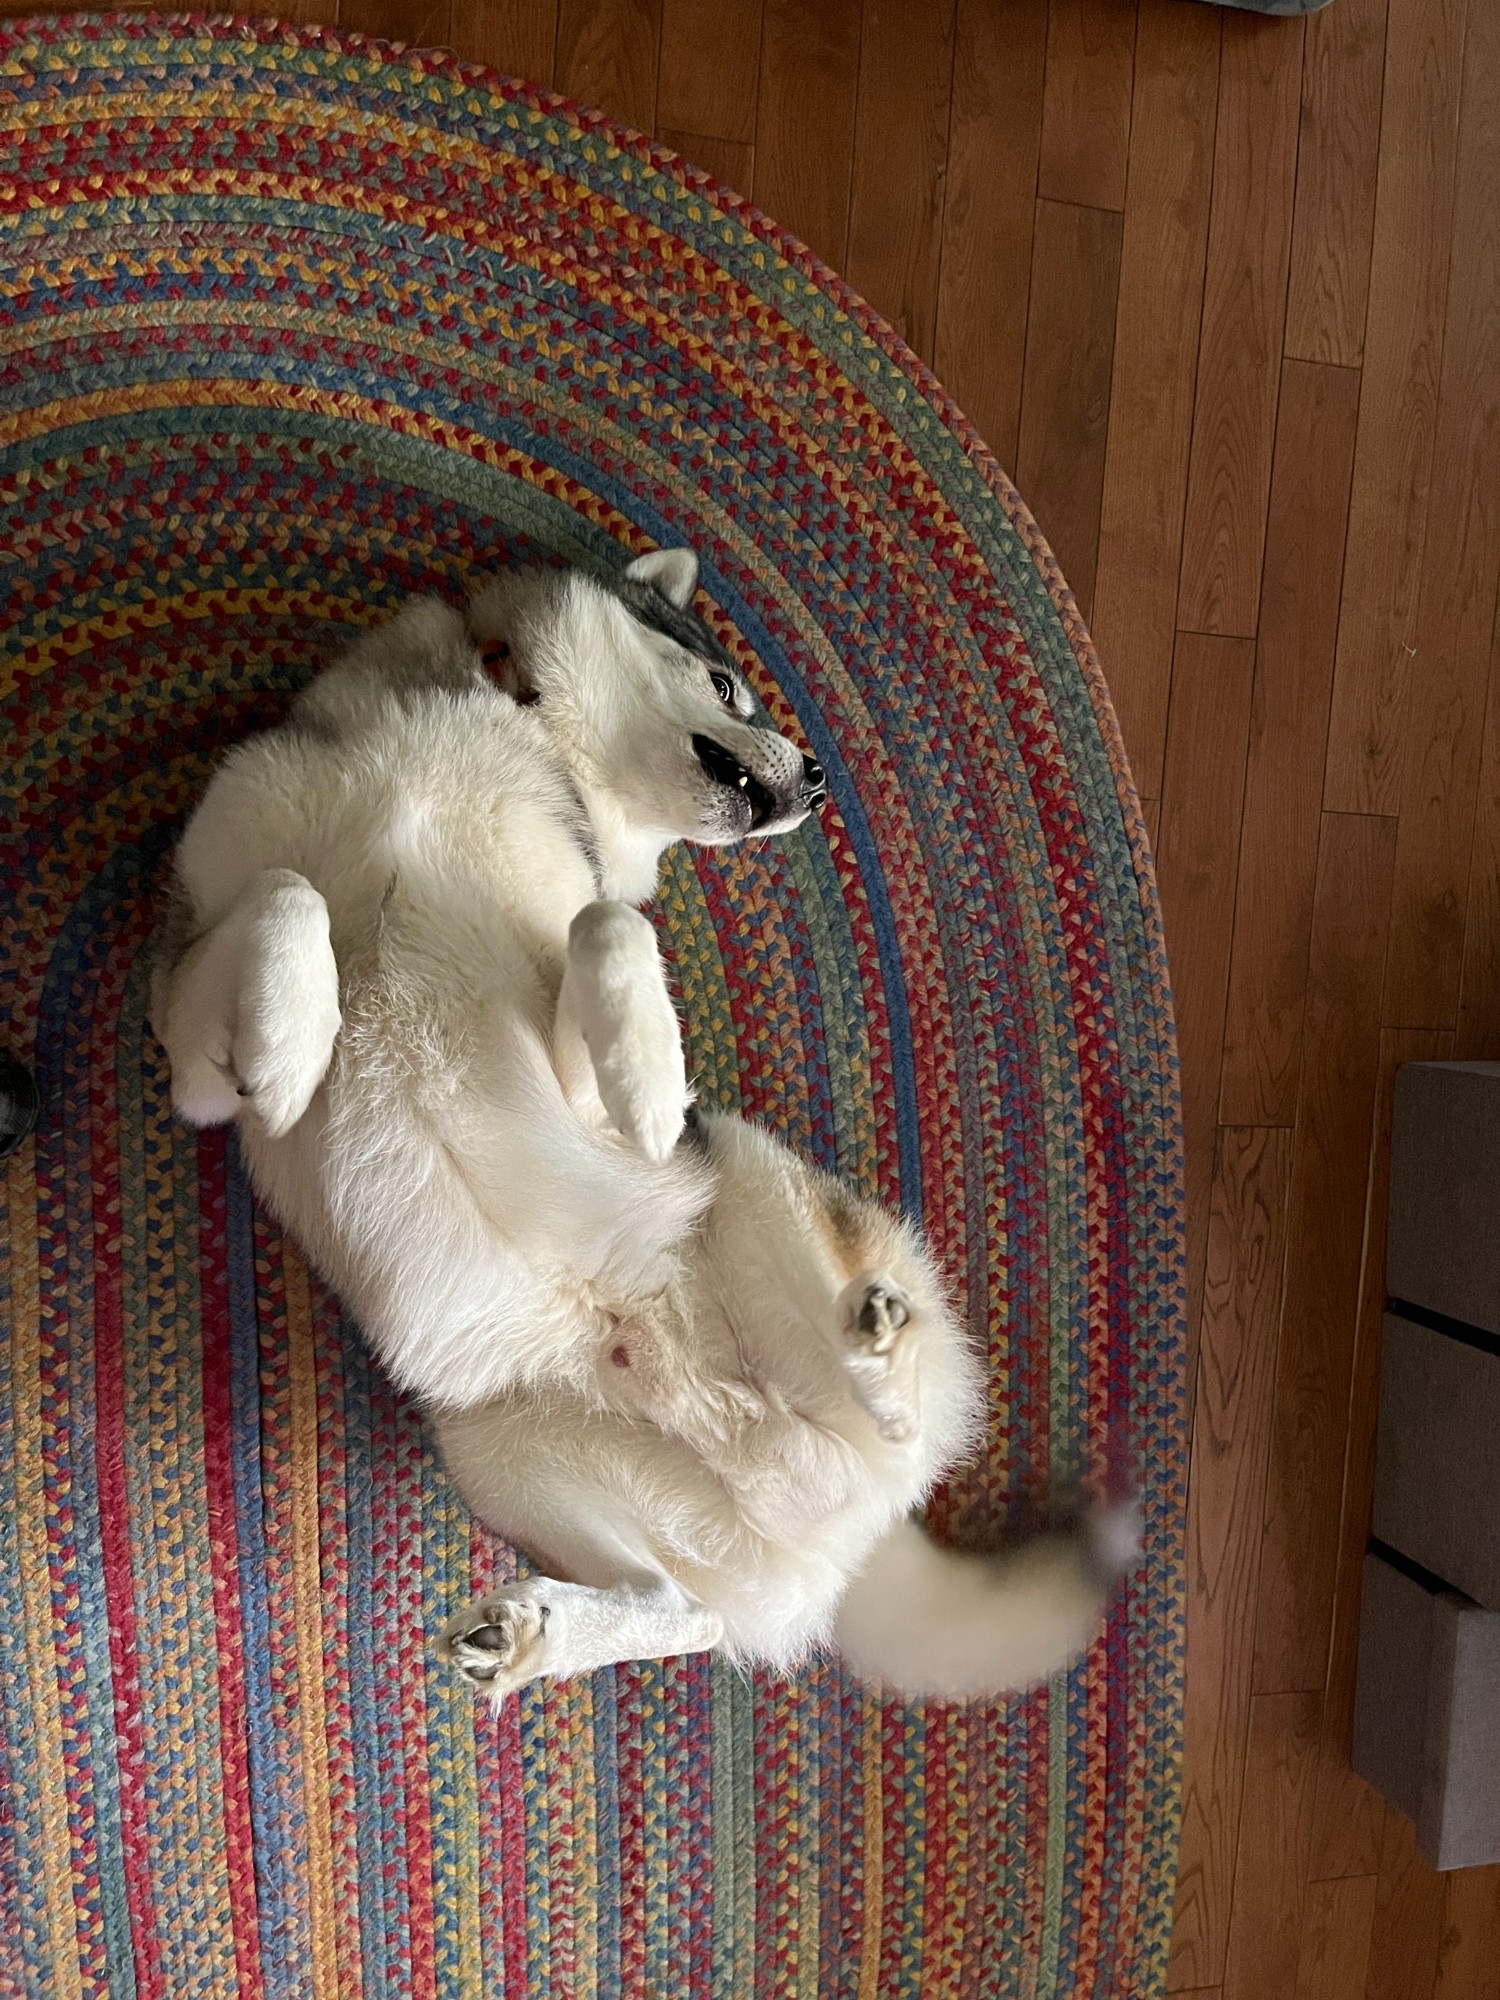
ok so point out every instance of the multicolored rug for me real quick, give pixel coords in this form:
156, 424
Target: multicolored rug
294, 324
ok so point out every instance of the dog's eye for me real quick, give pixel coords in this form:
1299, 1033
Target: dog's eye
723, 687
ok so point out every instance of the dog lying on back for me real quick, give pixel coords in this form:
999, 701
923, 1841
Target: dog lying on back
699, 1380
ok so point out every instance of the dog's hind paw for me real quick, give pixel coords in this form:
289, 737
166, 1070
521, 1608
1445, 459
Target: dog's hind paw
873, 1313
875, 1310
500, 1642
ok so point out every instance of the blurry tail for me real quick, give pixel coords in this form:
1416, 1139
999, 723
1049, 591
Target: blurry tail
925, 1620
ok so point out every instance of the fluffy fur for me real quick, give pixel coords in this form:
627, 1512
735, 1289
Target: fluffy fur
699, 1381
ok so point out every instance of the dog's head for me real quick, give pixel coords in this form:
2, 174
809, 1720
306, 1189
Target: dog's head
651, 710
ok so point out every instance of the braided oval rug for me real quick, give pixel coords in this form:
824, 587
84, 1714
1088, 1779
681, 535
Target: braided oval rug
294, 324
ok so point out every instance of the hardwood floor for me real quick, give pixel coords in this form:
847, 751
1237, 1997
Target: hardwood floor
1224, 292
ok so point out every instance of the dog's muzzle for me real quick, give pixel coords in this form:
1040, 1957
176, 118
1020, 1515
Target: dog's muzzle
726, 769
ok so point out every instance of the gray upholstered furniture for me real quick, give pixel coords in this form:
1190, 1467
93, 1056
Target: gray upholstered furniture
1427, 1707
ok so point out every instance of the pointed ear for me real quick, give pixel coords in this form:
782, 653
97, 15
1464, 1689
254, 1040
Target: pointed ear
674, 572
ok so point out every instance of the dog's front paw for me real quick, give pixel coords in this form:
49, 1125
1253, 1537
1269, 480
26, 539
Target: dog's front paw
500, 1642
629, 1025
644, 1090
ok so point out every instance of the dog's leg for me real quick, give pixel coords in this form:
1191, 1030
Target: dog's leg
656, 1365
253, 1008
614, 1001
872, 1315
560, 1629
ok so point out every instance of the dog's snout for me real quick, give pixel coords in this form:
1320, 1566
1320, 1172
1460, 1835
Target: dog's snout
814, 783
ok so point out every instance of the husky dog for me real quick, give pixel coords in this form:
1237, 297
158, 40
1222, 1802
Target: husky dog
702, 1381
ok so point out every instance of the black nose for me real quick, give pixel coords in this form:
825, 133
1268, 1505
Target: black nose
814, 784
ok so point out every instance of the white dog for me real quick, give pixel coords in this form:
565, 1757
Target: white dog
700, 1381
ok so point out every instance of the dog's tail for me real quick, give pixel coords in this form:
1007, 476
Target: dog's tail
924, 1620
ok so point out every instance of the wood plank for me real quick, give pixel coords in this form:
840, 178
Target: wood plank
1070, 334
1265, 1931
1298, 630
1350, 1818
804, 120
421, 23
1336, 1926
1478, 1037
1231, 1435
607, 56
730, 164
1333, 223
517, 37
1195, 865
1469, 1956
985, 276
1398, 402
1449, 673
900, 162
1340, 1058
1086, 118
710, 63
315, 13
1155, 368
1409, 1916
1244, 312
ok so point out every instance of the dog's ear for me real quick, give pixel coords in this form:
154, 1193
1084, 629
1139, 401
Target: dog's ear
674, 572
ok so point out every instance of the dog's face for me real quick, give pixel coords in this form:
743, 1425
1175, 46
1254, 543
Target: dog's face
648, 701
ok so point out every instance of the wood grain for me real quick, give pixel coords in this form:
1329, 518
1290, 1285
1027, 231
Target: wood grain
1335, 1952
1468, 1966
984, 285
1449, 673
1231, 1435
423, 23
1478, 1036
733, 165
266, 10
1350, 1818
1304, 1485
1075, 276
517, 37
607, 54
804, 120
901, 162
1244, 311
1298, 629
1155, 368
1265, 1932
710, 61
1409, 1916
1333, 222
1196, 857
1398, 403
1086, 119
